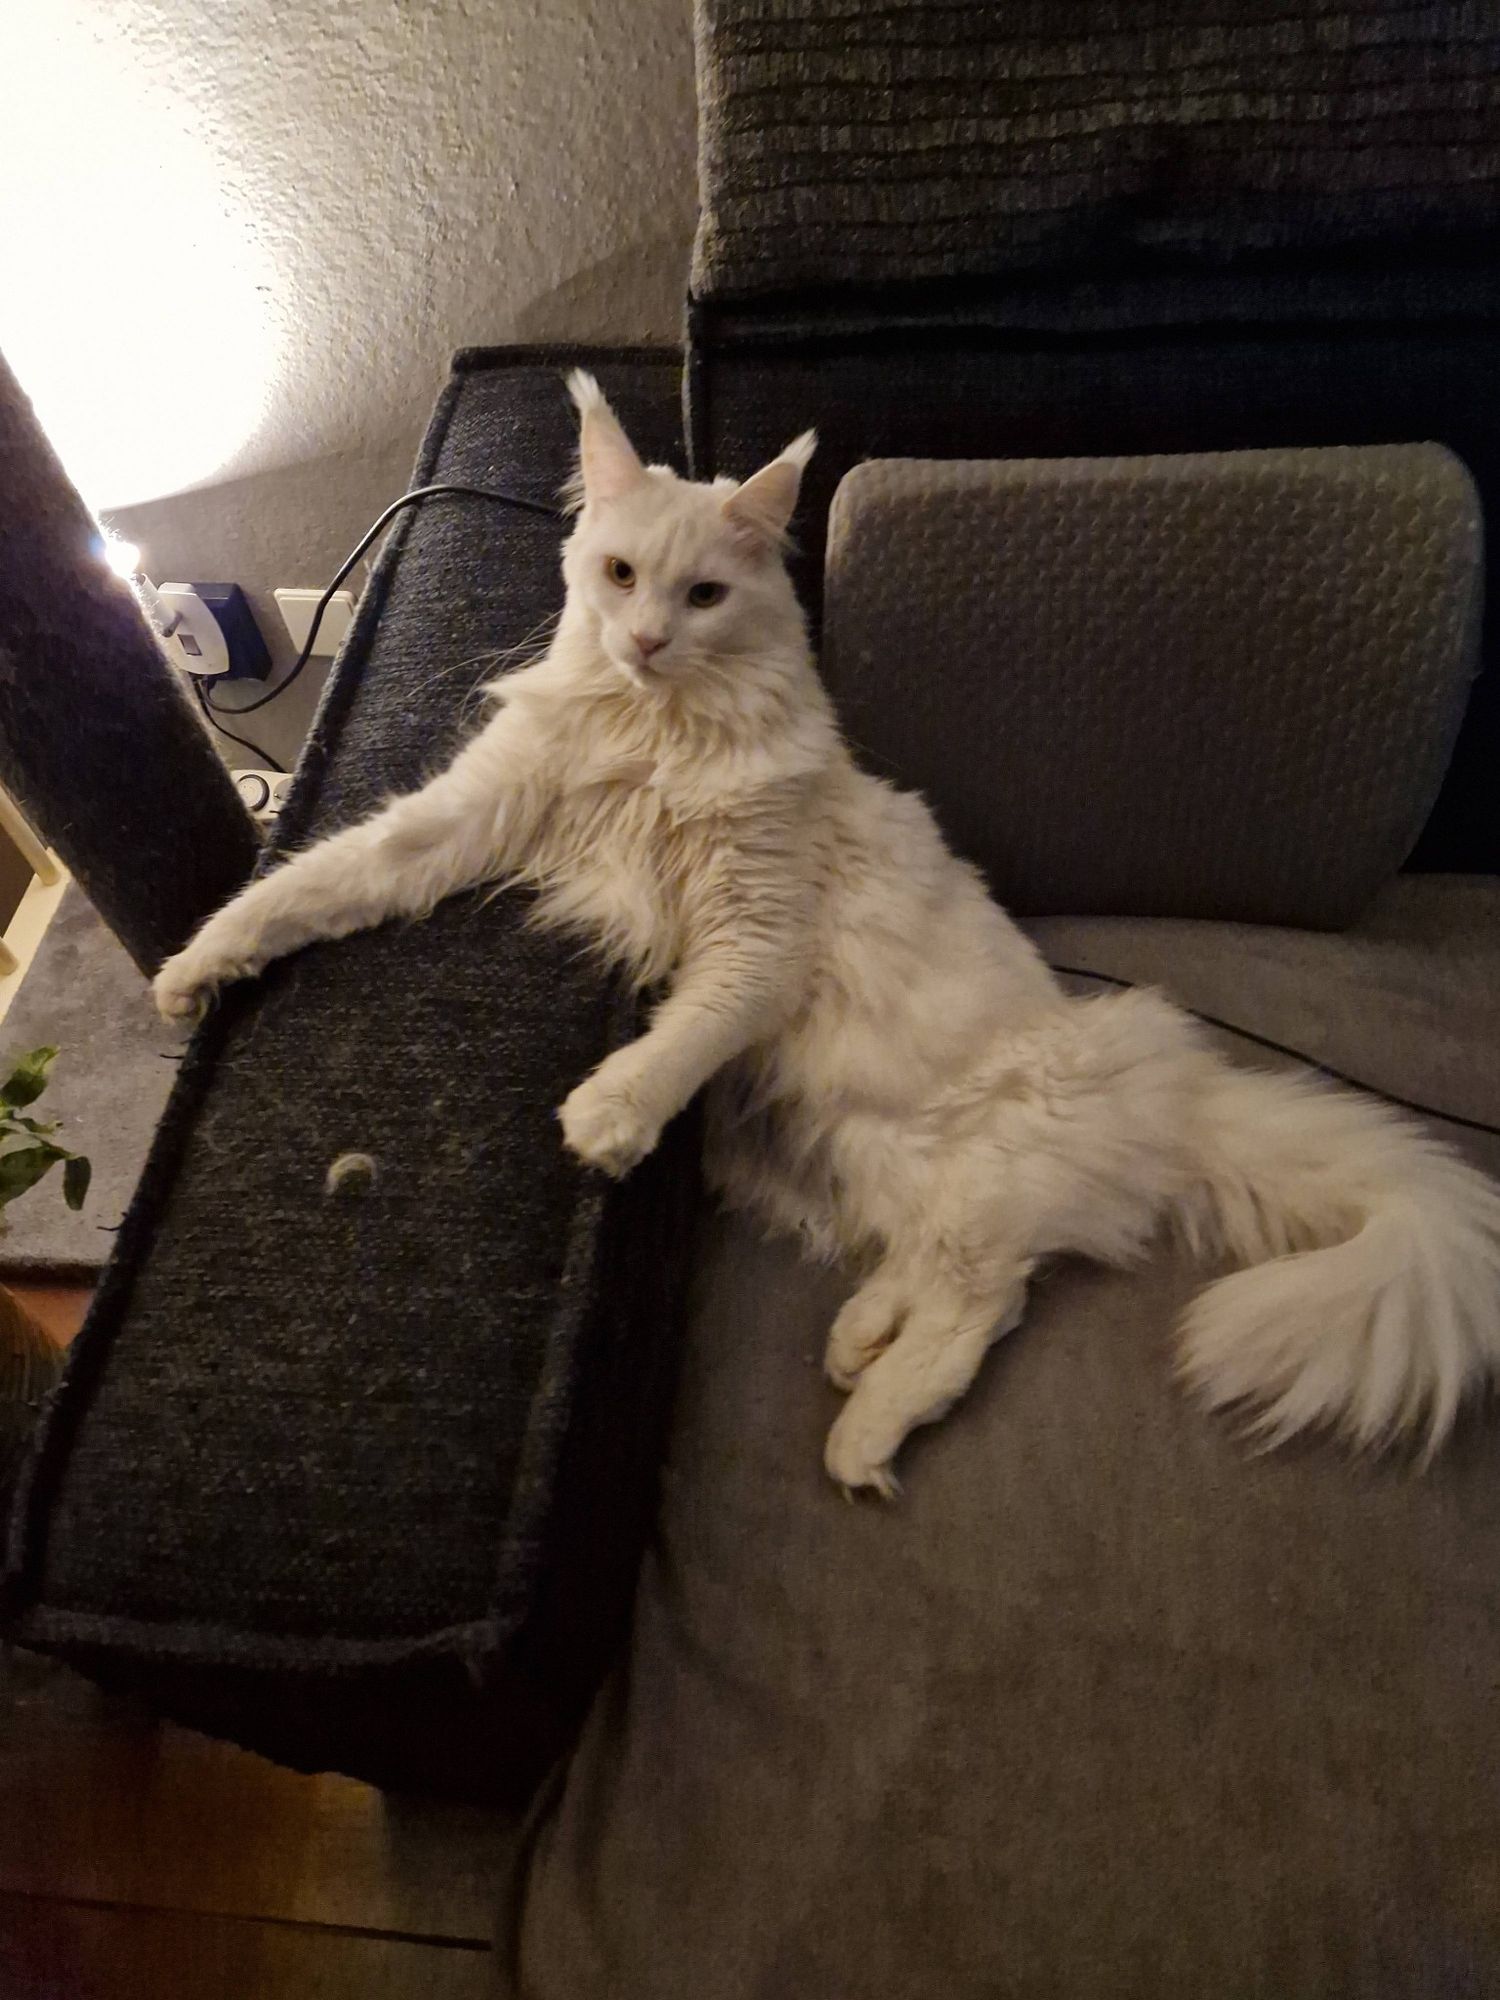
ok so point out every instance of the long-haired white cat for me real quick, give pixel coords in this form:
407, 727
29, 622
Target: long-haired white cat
894, 1074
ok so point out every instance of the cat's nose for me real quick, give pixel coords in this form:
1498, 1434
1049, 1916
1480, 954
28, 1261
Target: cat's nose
648, 643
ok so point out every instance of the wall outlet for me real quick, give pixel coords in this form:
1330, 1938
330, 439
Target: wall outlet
264, 792
297, 607
212, 631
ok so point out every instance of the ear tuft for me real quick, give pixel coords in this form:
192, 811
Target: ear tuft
607, 463
801, 449
761, 510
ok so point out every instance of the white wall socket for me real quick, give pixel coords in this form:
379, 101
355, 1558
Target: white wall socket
264, 792
297, 607
196, 644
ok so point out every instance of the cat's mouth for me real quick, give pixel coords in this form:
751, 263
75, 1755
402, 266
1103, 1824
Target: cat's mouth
649, 675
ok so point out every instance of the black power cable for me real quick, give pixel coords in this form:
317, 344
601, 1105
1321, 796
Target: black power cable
1297, 1055
265, 757
411, 499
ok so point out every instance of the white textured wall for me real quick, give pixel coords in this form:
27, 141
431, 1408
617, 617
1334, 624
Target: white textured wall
264, 224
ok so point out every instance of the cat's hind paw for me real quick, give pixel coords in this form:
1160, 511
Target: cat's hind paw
855, 1457
866, 1324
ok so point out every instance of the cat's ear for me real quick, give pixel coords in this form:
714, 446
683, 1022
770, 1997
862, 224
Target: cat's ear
761, 510
607, 463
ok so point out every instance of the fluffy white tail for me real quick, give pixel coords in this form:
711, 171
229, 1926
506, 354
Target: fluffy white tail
1373, 1303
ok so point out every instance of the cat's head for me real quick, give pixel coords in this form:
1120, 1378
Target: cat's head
676, 576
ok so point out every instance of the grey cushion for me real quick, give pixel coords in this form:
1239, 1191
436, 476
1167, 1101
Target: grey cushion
362, 1478
1407, 1002
1104, 1708
1253, 366
1218, 684
844, 144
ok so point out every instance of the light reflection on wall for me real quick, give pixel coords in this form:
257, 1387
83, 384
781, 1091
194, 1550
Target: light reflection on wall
135, 303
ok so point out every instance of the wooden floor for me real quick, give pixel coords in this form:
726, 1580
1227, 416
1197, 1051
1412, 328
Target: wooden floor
143, 1862
57, 1308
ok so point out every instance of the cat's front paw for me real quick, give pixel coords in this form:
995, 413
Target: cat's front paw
607, 1126
188, 984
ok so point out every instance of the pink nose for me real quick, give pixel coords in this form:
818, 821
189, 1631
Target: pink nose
647, 643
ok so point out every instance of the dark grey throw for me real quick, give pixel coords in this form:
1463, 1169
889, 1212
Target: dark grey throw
923, 138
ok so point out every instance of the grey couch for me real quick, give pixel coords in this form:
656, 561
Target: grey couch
1105, 1705
492, 1479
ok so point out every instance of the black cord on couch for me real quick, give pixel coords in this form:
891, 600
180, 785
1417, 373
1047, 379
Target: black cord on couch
1297, 1055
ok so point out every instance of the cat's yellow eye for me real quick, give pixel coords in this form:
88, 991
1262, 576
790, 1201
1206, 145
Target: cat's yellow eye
702, 596
619, 571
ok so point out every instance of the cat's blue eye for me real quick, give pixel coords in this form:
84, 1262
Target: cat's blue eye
702, 596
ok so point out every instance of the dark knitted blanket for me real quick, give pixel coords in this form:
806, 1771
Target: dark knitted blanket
869, 140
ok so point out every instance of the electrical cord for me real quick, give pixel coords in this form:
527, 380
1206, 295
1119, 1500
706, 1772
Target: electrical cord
1297, 1055
410, 499
266, 759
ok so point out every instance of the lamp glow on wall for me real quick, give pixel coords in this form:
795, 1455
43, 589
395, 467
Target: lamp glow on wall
135, 307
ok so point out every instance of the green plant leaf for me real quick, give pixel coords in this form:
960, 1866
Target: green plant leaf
28, 1079
77, 1173
23, 1169
40, 1128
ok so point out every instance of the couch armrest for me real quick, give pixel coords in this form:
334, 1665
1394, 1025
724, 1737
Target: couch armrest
361, 1479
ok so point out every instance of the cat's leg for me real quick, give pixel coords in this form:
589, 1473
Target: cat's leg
736, 984
867, 1323
455, 831
923, 1372
721, 1003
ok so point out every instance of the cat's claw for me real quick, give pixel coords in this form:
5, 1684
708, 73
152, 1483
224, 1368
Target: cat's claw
850, 1461
182, 993
228, 948
606, 1128
189, 983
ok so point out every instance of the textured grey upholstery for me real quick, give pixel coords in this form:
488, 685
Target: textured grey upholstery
1214, 685
1104, 1707
361, 1478
1067, 227
843, 142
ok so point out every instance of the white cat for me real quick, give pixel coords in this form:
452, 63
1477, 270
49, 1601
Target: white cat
894, 1074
